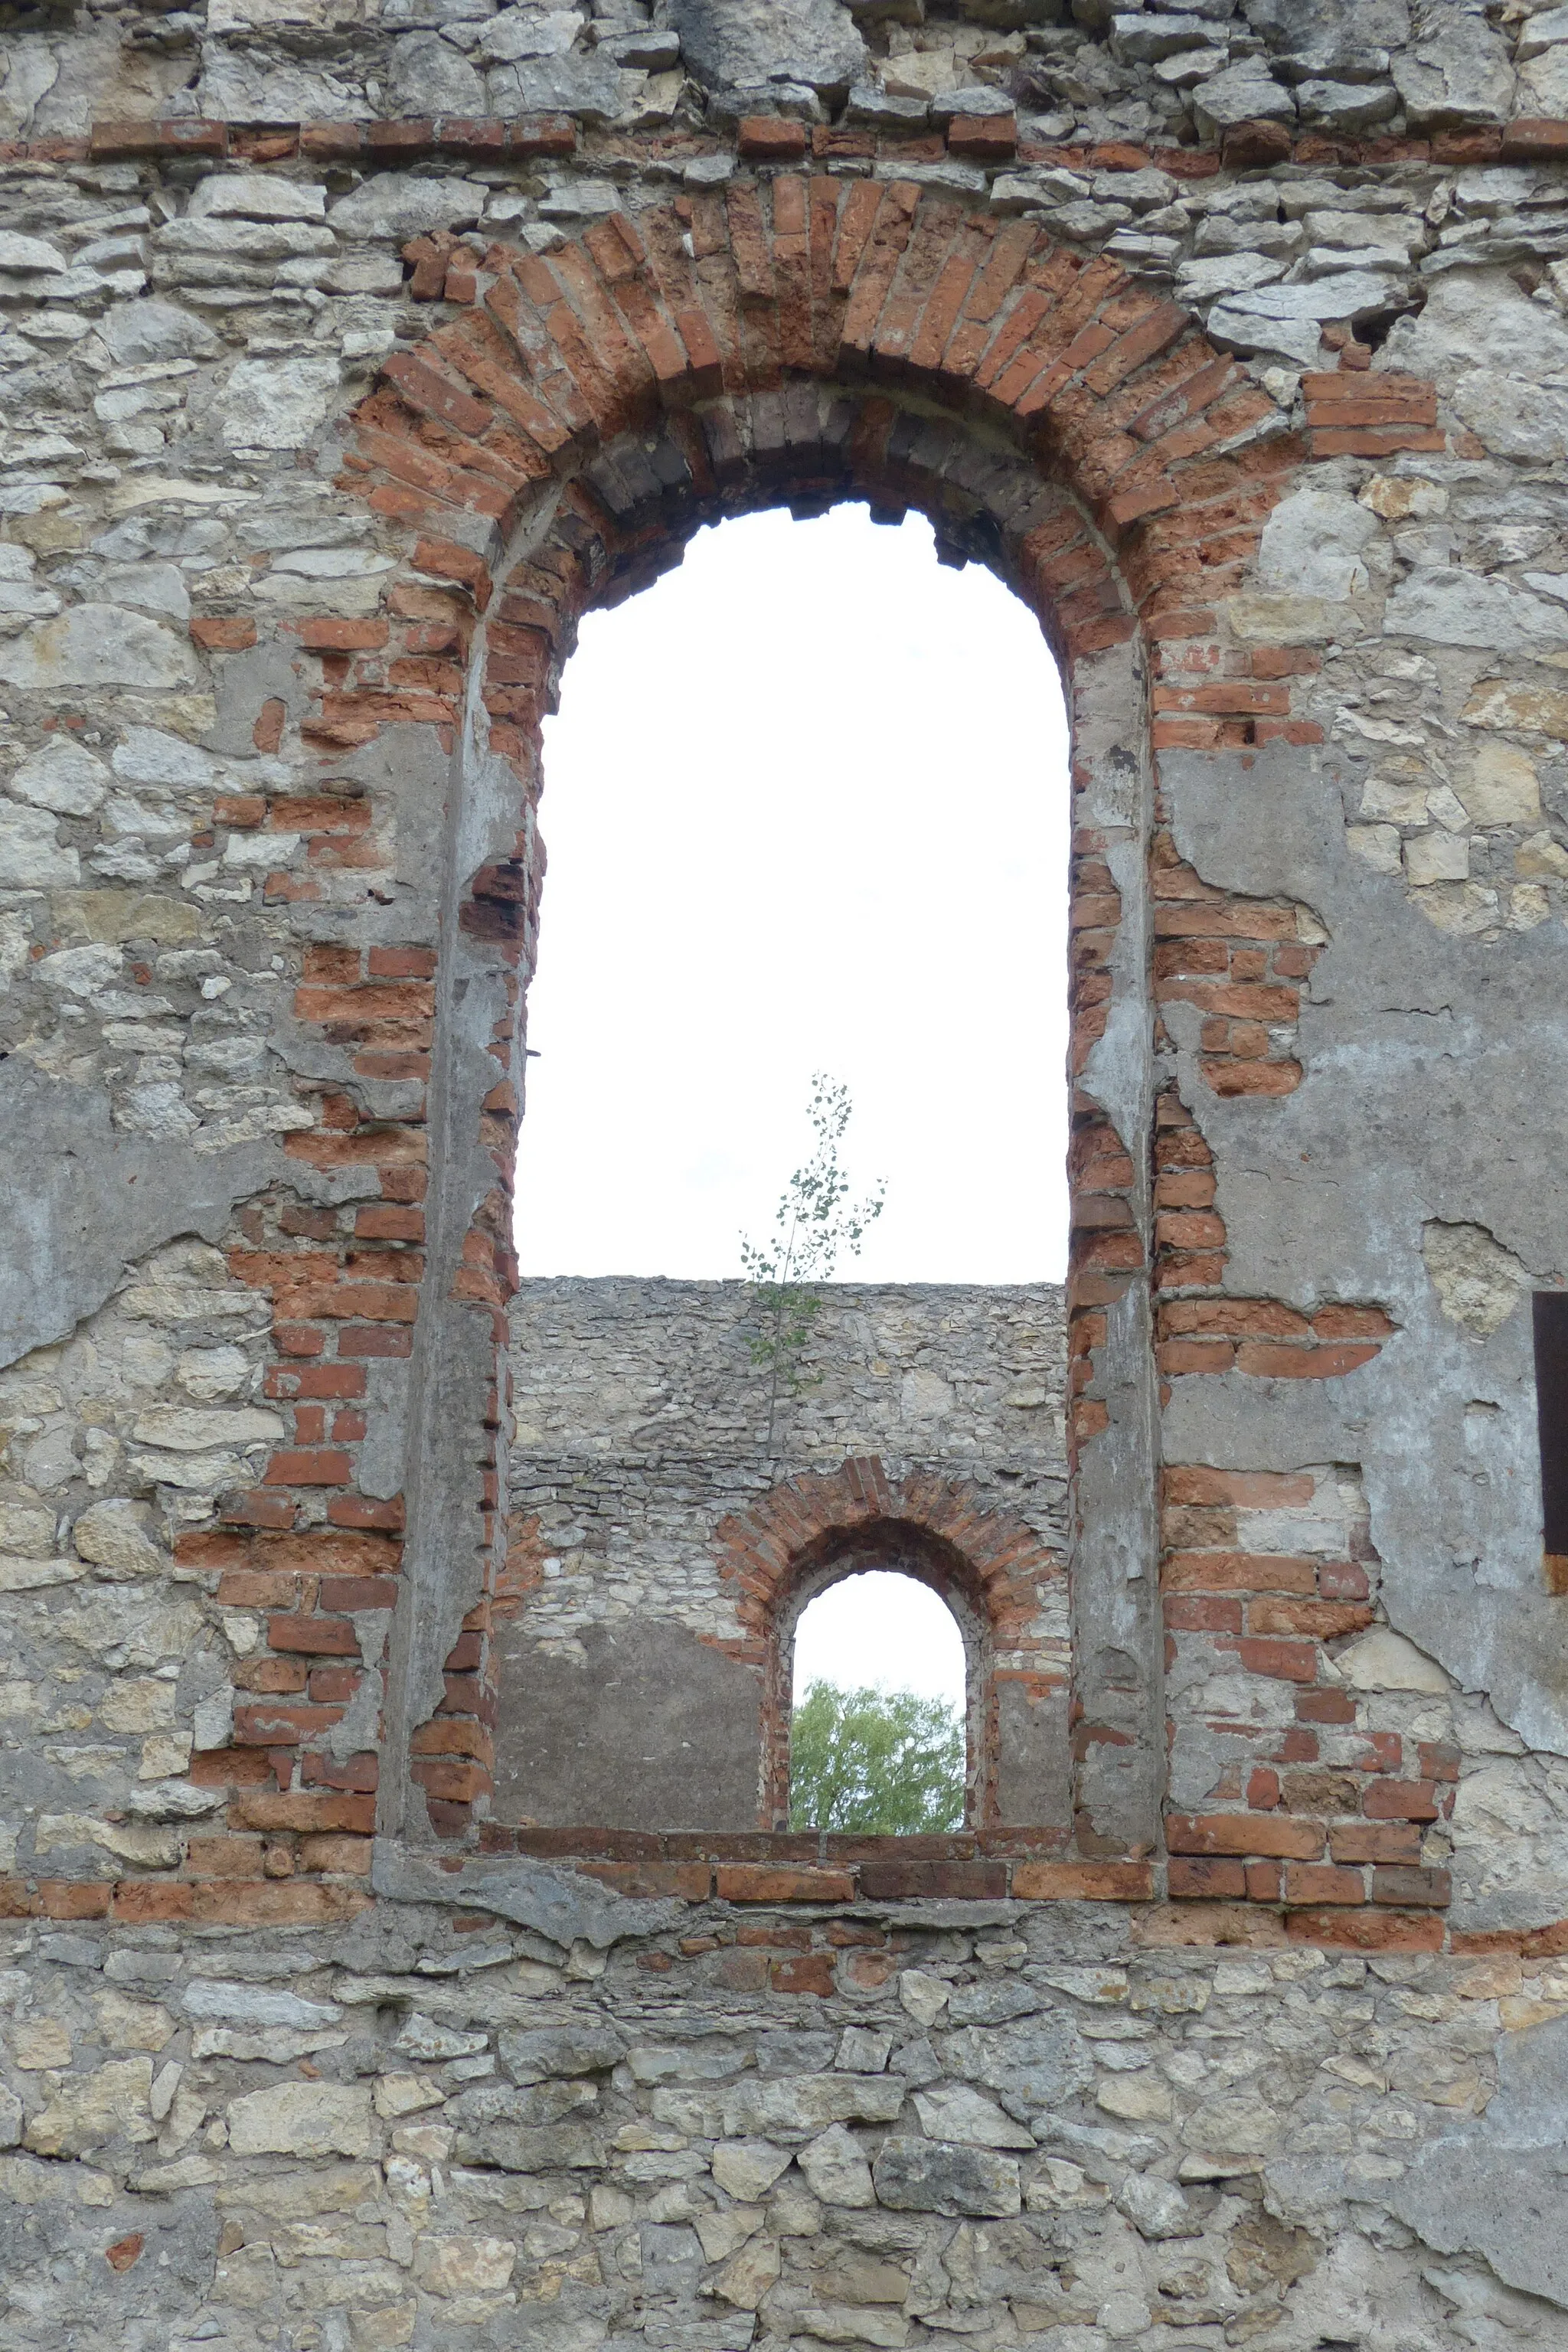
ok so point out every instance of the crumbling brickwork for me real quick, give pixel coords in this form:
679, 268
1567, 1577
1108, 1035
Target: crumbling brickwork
348, 355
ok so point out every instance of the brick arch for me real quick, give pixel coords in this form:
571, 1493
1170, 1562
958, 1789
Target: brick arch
986, 1563
568, 423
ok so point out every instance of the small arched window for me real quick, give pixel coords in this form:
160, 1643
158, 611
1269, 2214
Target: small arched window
883, 1672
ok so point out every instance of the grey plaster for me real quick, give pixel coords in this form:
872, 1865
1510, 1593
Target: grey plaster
1498, 2187
1421, 1071
563, 1904
639, 1727
84, 1199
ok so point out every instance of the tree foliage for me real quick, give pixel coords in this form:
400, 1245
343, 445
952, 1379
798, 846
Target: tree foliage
815, 1222
884, 1762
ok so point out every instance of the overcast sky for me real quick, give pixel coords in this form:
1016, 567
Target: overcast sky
878, 1628
805, 809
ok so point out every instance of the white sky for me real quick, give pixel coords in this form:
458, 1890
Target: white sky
806, 809
878, 1628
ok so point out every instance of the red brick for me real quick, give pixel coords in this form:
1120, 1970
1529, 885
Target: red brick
1294, 1661
1325, 1620
315, 1636
759, 1882
1211, 1881
216, 635
1364, 1930
885, 1882
811, 1973
1244, 1834
1324, 1707
1323, 1881
272, 1724
1083, 1882
771, 138
1426, 1887
312, 1466
1399, 1801
66, 1898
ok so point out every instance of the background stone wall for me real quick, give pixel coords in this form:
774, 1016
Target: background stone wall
641, 1425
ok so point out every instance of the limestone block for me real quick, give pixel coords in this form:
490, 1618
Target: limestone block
745, 44
747, 2168
398, 206
1346, 105
140, 1844
97, 645
31, 856
277, 404
114, 1536
126, 2024
1459, 76
137, 1703
258, 196
923, 1996
191, 1429
955, 2112
801, 2105
1241, 93
544, 2051
28, 1528
1285, 319
37, 2043
1450, 605
429, 76
1532, 710
302, 2119
1315, 544
836, 2168
29, 254
932, 2177
1385, 1660
239, 85
1157, 2209
529, 33
465, 2265
720, 2233
1141, 2098
19, 1574
1515, 418
1478, 1283
1437, 857
63, 777
1543, 87
1224, 274
1478, 318
747, 2276
140, 334
22, 599
86, 2112
591, 86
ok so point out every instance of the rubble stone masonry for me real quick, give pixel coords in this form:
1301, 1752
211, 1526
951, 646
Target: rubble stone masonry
402, 1942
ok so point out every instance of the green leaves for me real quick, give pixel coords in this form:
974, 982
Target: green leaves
813, 1222
884, 1762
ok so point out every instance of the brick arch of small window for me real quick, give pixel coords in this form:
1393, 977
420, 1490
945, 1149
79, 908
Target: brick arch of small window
987, 1566
548, 449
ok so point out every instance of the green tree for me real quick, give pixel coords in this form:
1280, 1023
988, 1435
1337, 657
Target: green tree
884, 1762
813, 1222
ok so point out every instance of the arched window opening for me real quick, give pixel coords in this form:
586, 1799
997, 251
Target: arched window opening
880, 1723
807, 811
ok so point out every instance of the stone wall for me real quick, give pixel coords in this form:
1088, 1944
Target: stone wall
641, 1432
348, 354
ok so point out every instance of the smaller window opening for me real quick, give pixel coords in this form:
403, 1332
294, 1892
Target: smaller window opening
883, 1678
